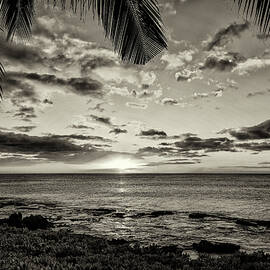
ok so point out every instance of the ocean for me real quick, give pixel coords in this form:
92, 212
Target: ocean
150, 208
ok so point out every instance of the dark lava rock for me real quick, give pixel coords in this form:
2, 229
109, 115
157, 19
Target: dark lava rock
119, 215
153, 214
101, 211
36, 222
246, 222
265, 223
209, 247
197, 215
118, 242
15, 220
161, 213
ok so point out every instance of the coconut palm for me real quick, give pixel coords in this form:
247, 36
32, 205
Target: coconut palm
134, 26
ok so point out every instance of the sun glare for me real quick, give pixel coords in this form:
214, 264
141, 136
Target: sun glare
121, 163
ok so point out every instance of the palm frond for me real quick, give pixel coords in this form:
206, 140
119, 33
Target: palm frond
2, 75
134, 26
258, 10
17, 17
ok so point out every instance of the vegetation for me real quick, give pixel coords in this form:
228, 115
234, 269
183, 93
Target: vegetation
22, 249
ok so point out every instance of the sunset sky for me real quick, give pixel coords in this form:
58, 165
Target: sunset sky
70, 105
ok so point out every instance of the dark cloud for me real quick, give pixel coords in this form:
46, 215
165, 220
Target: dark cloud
87, 65
19, 91
25, 113
102, 120
118, 131
81, 86
153, 133
24, 128
80, 127
254, 146
47, 148
47, 101
207, 145
19, 53
223, 36
258, 93
261, 131
223, 62
81, 137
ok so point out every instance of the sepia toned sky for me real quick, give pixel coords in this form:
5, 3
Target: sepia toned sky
70, 105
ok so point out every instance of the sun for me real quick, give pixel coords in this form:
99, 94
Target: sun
121, 163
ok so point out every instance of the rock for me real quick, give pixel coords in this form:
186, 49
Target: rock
265, 223
161, 213
36, 222
209, 247
197, 215
118, 242
100, 211
246, 222
15, 220
119, 215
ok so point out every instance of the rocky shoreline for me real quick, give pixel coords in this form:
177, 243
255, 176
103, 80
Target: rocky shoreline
29, 243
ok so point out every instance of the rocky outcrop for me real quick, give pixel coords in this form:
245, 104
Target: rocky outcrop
32, 222
36, 222
219, 248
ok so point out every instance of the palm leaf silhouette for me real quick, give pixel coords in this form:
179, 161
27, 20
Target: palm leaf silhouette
256, 10
17, 17
134, 26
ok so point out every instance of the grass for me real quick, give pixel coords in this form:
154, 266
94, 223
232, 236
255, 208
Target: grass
22, 249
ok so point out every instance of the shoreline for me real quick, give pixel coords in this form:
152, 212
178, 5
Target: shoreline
35, 249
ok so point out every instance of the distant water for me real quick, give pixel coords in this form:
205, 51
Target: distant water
76, 202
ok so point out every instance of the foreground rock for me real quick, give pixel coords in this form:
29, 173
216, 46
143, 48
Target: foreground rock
36, 222
153, 214
219, 248
33, 222
198, 215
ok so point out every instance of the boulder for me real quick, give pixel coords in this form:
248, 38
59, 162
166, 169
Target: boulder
197, 215
36, 222
246, 222
209, 247
161, 213
15, 220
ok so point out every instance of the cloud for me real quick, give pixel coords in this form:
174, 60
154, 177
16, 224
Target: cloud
23, 55
250, 65
24, 128
135, 105
169, 101
153, 133
25, 113
81, 137
47, 101
118, 131
103, 120
258, 132
254, 146
80, 127
80, 86
222, 61
188, 74
207, 145
25, 148
258, 93
225, 35
175, 61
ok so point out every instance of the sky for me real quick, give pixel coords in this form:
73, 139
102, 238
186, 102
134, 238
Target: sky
202, 106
